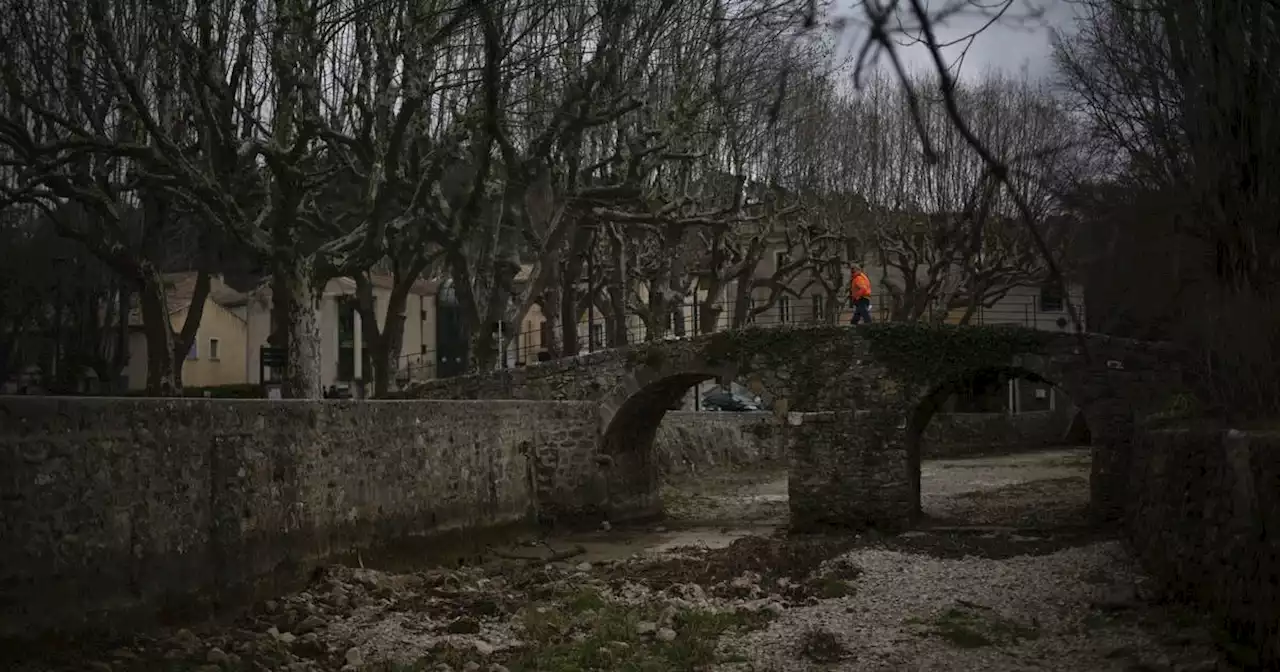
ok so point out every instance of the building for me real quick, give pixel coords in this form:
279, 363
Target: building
218, 354
235, 326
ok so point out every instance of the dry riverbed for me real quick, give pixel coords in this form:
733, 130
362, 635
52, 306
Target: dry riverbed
734, 596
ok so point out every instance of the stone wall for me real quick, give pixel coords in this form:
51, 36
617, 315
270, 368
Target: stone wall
690, 442
121, 510
1203, 516
965, 434
847, 470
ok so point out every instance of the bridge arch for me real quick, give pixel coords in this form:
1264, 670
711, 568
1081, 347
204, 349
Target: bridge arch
629, 418
932, 400
885, 370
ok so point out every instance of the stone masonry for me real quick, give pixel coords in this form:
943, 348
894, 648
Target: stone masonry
691, 442
822, 368
848, 469
116, 511
1203, 516
964, 434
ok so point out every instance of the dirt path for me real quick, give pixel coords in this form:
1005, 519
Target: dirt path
715, 588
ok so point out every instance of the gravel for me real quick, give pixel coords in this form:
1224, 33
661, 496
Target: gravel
1049, 612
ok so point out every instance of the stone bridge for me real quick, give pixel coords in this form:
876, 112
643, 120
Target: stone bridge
855, 401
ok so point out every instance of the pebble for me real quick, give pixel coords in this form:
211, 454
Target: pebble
354, 657
666, 635
217, 656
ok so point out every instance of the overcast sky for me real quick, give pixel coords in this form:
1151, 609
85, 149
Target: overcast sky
1007, 45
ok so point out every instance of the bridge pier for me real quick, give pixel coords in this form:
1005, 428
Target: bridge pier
849, 470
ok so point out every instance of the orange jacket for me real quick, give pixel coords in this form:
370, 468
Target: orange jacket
859, 286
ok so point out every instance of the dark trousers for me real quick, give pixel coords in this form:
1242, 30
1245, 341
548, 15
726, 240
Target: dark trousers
861, 311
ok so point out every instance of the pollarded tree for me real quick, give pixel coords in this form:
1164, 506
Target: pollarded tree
78, 150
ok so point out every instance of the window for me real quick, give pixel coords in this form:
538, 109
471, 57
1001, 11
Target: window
818, 315
213, 349
194, 352
597, 336
424, 348
784, 310
422, 315
1050, 299
779, 260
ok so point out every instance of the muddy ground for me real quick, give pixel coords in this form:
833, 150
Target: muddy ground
1005, 576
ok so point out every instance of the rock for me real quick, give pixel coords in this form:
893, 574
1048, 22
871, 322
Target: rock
666, 635
583, 567
354, 657
99, 666
186, 639
484, 648
287, 637
308, 624
463, 626
217, 656
271, 606
646, 628
471, 666
606, 526
498, 668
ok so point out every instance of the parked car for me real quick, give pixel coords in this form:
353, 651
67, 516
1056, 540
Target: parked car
726, 401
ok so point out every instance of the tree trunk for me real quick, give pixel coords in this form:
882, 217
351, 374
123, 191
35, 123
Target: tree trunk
618, 332
742, 298
553, 312
710, 309
302, 367
484, 350
183, 340
162, 376
570, 281
567, 296
120, 355
834, 306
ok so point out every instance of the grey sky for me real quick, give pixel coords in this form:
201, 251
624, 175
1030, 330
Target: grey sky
1006, 45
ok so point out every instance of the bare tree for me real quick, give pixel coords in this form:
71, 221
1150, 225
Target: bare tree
1182, 94
76, 148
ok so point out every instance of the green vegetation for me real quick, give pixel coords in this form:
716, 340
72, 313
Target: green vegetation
924, 354
975, 627
583, 630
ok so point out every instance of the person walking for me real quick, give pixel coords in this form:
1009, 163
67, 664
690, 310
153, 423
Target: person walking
860, 295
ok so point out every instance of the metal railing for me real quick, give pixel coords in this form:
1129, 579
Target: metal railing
530, 346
